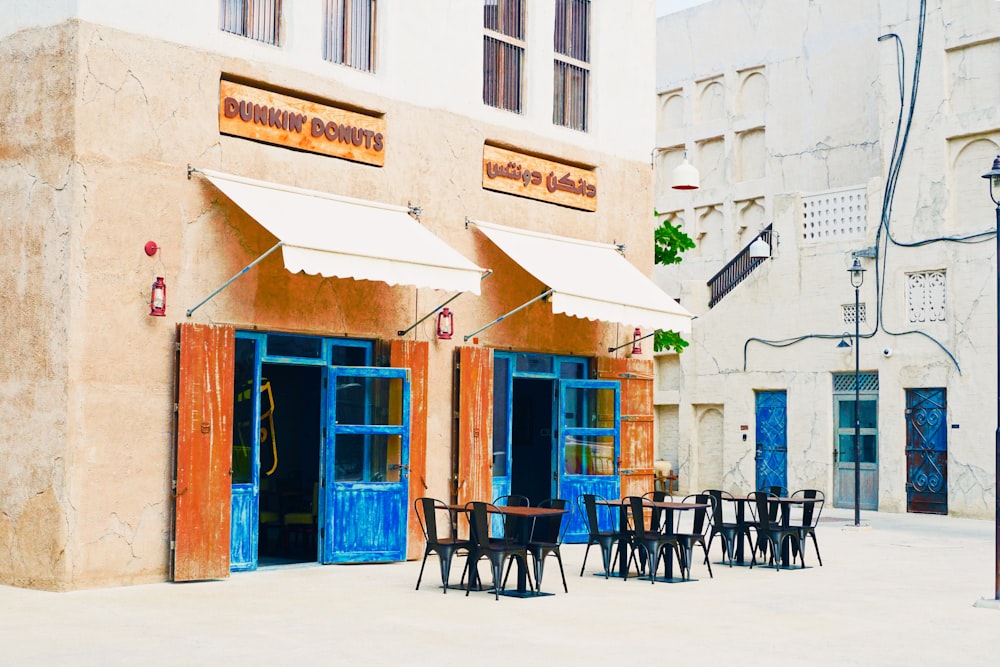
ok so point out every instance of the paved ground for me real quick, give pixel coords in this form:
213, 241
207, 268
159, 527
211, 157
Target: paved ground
901, 593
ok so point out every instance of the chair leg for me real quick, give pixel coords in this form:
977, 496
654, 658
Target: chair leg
421, 575
445, 569
585, 558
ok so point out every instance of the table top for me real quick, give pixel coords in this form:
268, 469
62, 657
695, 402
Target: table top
662, 504
513, 510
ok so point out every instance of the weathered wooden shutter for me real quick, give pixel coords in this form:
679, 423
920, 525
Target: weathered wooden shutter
475, 424
203, 479
637, 423
413, 355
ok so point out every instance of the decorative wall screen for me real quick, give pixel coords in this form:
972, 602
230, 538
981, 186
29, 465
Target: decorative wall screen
926, 296
849, 314
834, 215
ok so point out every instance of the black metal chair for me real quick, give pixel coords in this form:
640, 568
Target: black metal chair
657, 518
650, 542
608, 540
728, 531
771, 535
811, 510
501, 524
692, 527
445, 547
496, 550
546, 539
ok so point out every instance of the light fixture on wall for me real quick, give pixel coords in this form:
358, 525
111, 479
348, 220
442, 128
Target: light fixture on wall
158, 298
445, 324
685, 176
759, 248
637, 341
844, 341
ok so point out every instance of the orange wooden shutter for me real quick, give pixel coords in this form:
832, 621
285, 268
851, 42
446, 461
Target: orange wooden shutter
413, 355
637, 424
475, 424
203, 482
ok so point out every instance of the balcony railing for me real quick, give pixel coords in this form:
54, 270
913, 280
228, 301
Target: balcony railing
738, 268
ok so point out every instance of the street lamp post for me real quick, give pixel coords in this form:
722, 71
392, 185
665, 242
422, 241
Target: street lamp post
858, 277
993, 176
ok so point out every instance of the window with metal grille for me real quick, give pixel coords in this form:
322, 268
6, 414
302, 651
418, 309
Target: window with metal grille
571, 85
503, 54
849, 314
926, 296
255, 19
349, 37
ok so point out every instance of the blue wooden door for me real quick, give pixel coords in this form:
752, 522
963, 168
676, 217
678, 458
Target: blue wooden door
926, 451
772, 439
589, 446
244, 510
502, 398
364, 498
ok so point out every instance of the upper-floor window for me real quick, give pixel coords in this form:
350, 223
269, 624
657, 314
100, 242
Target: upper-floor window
349, 37
503, 54
256, 19
572, 64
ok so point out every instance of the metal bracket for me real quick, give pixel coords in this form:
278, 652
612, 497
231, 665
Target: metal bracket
866, 253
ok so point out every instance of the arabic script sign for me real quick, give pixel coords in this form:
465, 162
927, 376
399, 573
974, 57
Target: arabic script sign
529, 176
278, 119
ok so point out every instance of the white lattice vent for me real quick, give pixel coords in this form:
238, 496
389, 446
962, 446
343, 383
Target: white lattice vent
834, 215
850, 316
926, 296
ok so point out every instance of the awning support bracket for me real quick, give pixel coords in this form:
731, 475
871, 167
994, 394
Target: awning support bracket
403, 332
503, 317
632, 342
230, 281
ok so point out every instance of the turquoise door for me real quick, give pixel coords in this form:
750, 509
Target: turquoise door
364, 485
772, 439
245, 510
589, 447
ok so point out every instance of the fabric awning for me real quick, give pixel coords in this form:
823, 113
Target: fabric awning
590, 280
349, 238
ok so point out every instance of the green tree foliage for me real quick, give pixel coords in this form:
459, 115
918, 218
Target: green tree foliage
668, 244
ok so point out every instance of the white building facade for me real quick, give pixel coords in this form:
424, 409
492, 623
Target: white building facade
795, 116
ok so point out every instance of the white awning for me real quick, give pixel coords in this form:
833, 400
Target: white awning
590, 280
349, 238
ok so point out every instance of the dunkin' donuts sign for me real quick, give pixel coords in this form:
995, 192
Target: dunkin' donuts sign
278, 119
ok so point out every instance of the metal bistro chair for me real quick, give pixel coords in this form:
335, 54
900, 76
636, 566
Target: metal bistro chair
692, 527
608, 540
811, 509
503, 524
658, 515
546, 539
445, 547
648, 541
771, 534
497, 550
728, 531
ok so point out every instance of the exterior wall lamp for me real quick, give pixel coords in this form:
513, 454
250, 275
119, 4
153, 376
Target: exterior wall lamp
637, 341
445, 324
158, 298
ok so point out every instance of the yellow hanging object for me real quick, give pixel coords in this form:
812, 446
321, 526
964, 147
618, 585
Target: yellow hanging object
265, 388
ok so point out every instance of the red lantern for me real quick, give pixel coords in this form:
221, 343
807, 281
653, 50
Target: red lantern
158, 298
636, 341
445, 324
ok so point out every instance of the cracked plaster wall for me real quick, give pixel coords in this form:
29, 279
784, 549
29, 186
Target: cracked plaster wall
830, 116
89, 469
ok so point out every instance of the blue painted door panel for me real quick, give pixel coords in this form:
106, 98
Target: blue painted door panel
243, 532
588, 447
364, 498
926, 451
772, 439
243, 535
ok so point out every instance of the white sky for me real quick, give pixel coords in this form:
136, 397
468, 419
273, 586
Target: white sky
668, 6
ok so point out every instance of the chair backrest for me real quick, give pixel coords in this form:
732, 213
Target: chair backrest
812, 509
512, 500
550, 529
656, 518
479, 522
700, 519
777, 491
760, 501
638, 506
588, 507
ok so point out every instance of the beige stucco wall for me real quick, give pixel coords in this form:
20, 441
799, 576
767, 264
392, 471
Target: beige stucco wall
829, 118
87, 469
